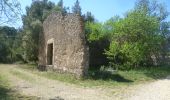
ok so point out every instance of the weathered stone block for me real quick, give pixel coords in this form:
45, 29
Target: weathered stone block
63, 45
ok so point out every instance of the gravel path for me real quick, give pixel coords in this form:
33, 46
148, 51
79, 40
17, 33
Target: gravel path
158, 90
47, 89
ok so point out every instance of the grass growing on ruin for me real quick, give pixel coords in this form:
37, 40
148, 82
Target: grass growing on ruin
106, 78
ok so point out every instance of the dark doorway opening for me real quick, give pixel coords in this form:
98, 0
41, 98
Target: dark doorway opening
50, 54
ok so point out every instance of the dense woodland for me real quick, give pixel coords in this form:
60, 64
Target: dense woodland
141, 38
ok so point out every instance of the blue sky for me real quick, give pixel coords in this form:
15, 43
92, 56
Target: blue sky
101, 9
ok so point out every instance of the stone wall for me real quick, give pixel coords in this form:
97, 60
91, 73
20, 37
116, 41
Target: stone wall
70, 52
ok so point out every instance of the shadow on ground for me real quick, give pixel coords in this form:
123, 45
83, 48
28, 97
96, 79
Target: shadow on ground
57, 98
4, 93
107, 75
8, 94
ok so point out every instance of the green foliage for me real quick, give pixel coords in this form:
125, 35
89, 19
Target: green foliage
136, 38
32, 24
8, 44
97, 41
95, 31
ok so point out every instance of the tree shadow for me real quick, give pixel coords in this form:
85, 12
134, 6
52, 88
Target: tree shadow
107, 75
8, 94
4, 93
57, 98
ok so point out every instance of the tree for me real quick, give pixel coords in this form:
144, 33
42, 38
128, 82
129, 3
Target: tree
97, 41
76, 8
88, 17
10, 11
60, 4
32, 25
7, 38
137, 39
158, 10
61, 8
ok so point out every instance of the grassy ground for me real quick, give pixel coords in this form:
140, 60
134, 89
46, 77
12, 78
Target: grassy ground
107, 78
6, 92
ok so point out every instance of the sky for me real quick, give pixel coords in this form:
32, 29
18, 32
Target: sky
101, 9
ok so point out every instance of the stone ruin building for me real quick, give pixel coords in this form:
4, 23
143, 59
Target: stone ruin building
62, 45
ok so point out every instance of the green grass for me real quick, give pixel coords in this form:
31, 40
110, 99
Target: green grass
21, 75
146, 74
105, 78
6, 93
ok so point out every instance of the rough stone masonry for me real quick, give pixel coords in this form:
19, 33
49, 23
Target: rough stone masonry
62, 44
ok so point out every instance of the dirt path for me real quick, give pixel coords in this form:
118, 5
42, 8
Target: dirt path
30, 84
158, 90
47, 89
